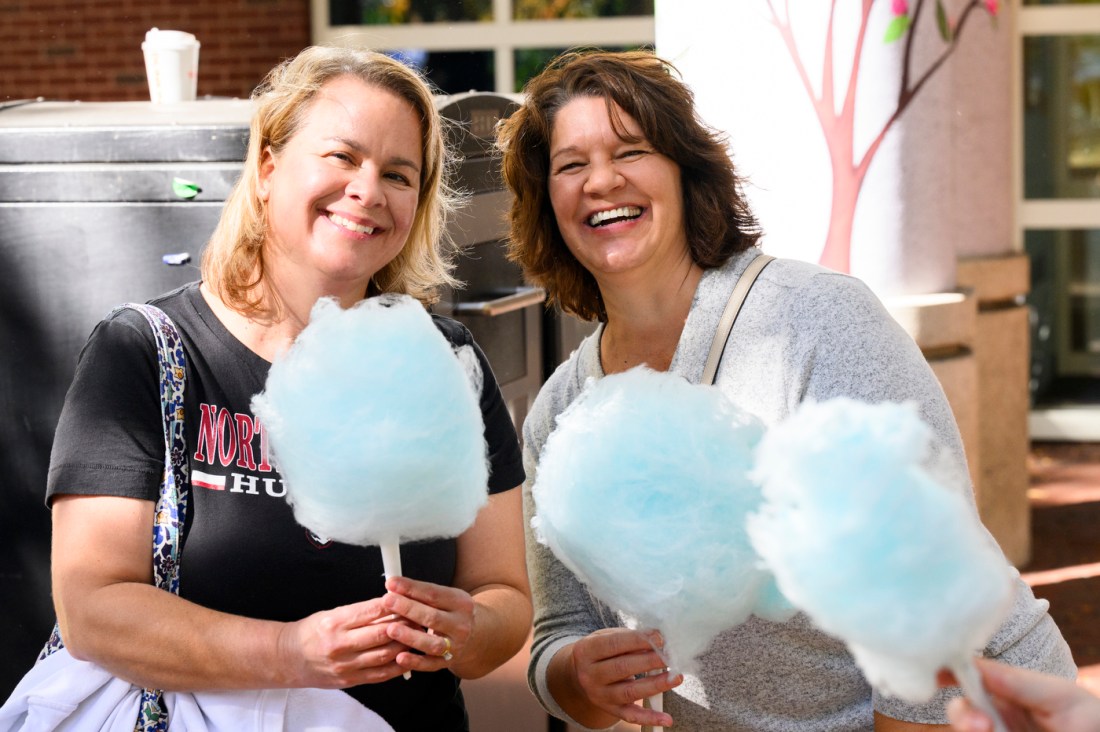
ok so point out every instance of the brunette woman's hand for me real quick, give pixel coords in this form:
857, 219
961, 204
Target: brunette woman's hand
613, 669
440, 623
343, 647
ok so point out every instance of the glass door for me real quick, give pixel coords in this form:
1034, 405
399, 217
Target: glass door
1059, 210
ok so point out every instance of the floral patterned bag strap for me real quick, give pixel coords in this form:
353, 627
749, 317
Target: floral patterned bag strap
171, 509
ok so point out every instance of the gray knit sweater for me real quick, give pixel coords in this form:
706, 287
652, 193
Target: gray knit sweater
804, 333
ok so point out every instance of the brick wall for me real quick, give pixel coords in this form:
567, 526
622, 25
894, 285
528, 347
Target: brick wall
91, 49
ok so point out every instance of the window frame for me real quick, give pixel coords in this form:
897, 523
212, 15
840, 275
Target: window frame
503, 36
1046, 213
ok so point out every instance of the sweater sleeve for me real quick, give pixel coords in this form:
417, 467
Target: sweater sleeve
564, 610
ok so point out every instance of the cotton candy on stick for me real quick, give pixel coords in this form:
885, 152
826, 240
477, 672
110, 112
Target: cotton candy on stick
374, 423
870, 532
641, 491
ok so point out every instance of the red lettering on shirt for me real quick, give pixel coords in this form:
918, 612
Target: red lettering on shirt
232, 437
227, 444
244, 440
208, 435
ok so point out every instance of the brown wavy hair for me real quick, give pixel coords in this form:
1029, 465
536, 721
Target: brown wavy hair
717, 217
233, 261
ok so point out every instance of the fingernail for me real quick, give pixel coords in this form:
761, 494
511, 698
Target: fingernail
977, 723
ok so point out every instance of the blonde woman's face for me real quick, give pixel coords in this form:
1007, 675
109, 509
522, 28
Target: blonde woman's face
342, 194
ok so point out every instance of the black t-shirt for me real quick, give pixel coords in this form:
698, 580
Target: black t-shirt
243, 552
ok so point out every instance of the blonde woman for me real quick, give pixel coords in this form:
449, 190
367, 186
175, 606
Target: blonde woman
343, 195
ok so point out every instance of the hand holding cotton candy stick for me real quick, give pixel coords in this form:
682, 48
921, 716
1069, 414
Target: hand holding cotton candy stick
870, 536
642, 491
375, 426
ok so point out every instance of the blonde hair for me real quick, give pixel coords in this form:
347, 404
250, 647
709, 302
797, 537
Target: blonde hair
233, 261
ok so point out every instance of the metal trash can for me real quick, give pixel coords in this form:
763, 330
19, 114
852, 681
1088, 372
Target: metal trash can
92, 197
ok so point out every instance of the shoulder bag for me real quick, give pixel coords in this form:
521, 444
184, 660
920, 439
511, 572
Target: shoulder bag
171, 509
62, 693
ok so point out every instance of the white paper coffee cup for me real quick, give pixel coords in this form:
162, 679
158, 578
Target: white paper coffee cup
172, 65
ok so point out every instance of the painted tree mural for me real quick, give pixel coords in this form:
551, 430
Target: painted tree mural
849, 166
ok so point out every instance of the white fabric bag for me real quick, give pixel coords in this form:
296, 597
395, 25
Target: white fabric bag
63, 694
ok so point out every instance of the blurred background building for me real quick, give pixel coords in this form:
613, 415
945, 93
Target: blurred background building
90, 50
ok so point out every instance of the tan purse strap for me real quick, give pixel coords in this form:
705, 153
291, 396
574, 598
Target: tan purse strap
733, 307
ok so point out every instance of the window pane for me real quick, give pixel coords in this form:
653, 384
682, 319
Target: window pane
452, 71
1065, 305
1061, 116
530, 61
548, 9
383, 12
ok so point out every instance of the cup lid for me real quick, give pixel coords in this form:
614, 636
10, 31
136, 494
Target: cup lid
170, 38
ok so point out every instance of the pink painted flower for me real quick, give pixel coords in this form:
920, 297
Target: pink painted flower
992, 6
901, 7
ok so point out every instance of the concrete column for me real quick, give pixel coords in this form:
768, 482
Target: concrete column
937, 187
802, 113
1001, 349
944, 326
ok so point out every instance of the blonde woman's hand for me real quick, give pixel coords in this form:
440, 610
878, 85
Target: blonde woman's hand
343, 647
440, 623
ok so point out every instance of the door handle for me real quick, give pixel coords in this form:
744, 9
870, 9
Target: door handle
521, 298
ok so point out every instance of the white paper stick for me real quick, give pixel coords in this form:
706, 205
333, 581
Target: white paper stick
391, 559
971, 682
657, 704
391, 567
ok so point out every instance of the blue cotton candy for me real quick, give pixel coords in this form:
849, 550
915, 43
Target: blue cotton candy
872, 538
374, 423
642, 491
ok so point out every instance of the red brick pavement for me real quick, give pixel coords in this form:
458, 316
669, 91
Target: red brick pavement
1065, 561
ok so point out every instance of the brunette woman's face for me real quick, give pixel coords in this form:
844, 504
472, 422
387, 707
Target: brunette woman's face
618, 204
342, 194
